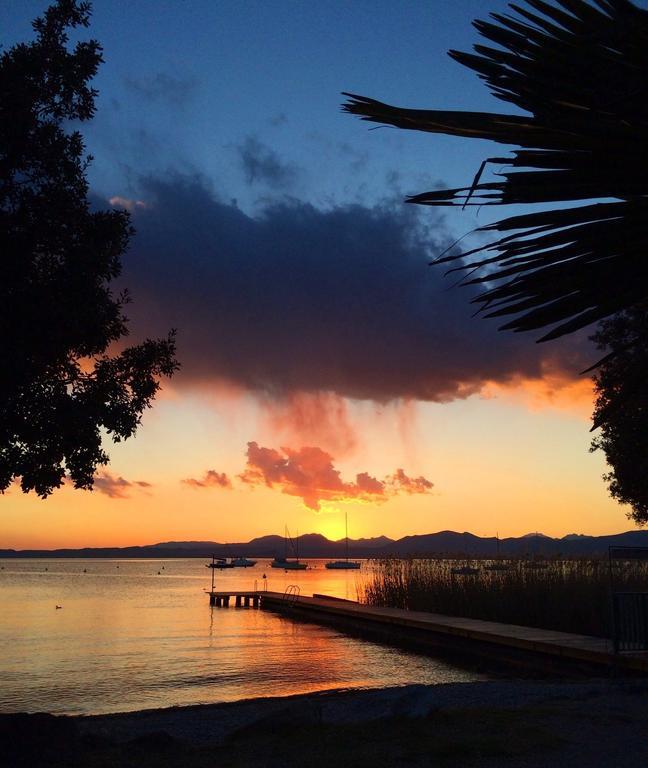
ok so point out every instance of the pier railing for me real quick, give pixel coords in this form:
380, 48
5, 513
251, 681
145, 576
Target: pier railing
629, 609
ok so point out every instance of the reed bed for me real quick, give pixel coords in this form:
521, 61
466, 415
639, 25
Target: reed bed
565, 595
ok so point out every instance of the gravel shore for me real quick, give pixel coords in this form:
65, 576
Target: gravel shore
499, 723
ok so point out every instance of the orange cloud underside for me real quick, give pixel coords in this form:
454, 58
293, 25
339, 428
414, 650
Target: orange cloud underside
553, 391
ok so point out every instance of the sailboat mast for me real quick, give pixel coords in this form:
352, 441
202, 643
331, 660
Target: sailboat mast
346, 533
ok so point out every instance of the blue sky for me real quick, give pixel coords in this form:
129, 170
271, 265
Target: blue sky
186, 84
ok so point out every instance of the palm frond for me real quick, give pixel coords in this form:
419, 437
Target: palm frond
579, 70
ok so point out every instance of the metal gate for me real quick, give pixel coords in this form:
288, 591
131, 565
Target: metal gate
629, 609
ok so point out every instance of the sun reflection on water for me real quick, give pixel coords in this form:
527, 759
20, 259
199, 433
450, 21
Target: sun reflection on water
139, 633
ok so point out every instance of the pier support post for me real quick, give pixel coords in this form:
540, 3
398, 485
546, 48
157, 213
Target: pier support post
255, 601
219, 601
238, 601
226, 601
212, 598
246, 601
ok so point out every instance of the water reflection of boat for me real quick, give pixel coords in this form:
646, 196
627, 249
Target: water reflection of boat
346, 564
242, 562
284, 562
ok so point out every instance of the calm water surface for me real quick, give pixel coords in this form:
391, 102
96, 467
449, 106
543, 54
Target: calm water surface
134, 634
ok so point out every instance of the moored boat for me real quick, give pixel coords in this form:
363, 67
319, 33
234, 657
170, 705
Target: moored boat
465, 570
242, 562
346, 564
343, 565
284, 562
497, 564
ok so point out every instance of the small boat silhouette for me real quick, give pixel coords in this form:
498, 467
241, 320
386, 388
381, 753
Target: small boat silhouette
465, 570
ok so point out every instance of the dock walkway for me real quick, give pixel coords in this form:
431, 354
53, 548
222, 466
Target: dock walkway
242, 599
538, 642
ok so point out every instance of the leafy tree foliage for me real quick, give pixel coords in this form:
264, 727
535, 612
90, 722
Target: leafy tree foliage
576, 71
621, 409
59, 387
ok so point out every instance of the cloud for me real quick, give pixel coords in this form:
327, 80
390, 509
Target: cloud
399, 482
162, 86
125, 202
555, 390
117, 487
318, 418
302, 300
211, 479
358, 159
263, 165
309, 474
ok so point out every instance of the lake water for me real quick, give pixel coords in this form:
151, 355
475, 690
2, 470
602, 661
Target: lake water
135, 634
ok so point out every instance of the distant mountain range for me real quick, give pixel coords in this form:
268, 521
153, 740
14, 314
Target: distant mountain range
316, 545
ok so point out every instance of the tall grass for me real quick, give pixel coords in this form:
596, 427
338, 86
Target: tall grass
566, 595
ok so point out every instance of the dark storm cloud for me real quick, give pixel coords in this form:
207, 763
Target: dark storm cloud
163, 87
263, 165
304, 300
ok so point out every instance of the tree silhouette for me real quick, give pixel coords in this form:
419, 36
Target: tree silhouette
577, 69
621, 410
59, 389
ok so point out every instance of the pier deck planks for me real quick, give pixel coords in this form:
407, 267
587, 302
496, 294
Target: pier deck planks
538, 641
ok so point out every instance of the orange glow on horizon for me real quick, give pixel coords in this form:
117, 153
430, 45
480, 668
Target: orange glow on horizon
514, 459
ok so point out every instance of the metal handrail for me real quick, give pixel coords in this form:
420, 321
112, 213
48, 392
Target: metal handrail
291, 593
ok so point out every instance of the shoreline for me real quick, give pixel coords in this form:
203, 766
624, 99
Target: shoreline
213, 723
507, 722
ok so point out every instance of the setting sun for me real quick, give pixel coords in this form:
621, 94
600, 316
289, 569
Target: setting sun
331, 523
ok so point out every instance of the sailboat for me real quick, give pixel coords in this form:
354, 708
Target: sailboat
284, 562
344, 565
467, 569
537, 561
497, 564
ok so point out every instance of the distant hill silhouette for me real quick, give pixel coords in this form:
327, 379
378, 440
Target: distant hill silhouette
315, 545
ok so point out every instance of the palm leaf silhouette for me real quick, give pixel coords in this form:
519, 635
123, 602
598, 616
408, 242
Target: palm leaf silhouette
579, 70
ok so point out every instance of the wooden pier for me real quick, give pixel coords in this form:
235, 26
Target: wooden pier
466, 635
246, 599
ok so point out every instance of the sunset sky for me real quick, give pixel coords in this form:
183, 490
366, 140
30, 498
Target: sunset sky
325, 366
